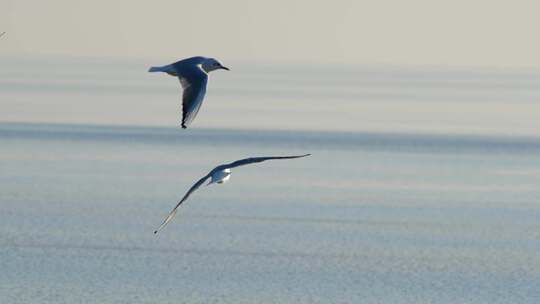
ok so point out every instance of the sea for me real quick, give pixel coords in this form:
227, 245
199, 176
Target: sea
423, 184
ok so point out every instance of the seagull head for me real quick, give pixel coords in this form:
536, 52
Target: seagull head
211, 64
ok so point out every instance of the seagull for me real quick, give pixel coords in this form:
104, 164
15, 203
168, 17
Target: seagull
193, 75
220, 175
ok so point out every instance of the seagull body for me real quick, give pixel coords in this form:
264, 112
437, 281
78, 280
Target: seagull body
193, 75
220, 175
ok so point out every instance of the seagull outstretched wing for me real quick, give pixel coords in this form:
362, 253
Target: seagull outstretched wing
251, 160
193, 80
238, 163
173, 212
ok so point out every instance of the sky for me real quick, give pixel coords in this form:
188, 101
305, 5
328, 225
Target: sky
430, 66
416, 32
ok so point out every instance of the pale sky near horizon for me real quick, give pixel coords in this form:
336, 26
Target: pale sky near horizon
416, 32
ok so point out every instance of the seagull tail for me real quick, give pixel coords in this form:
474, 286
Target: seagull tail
156, 69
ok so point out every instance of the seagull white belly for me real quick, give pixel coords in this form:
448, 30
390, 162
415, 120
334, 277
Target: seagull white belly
225, 178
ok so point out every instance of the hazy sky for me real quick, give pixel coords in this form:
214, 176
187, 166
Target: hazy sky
417, 32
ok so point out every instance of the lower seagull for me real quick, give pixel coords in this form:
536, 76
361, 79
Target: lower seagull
220, 175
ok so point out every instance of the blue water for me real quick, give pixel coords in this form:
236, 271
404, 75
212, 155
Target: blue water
370, 217
423, 185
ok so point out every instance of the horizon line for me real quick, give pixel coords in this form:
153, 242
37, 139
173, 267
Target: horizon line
264, 130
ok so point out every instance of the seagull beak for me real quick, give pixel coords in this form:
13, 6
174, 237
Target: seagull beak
225, 68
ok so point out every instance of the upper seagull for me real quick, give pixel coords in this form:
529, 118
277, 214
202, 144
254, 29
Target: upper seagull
220, 175
193, 75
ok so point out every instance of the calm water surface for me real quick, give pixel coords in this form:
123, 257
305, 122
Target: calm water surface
375, 215
371, 218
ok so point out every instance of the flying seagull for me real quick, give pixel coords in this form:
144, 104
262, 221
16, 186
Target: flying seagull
193, 75
220, 175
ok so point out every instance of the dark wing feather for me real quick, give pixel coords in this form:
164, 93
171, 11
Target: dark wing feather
173, 212
193, 80
251, 160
